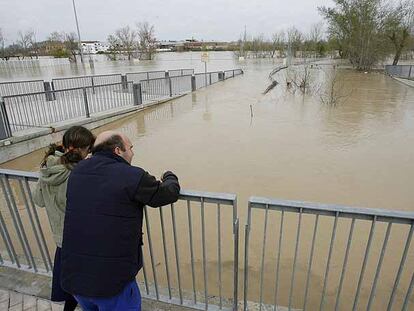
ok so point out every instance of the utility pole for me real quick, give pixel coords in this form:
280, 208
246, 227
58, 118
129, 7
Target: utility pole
77, 26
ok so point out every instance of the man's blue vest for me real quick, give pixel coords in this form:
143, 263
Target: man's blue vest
102, 236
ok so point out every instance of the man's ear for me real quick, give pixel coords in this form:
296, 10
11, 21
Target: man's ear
117, 150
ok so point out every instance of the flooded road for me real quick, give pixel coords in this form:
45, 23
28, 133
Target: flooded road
359, 153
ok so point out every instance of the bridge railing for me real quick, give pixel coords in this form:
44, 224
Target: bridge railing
183, 243
317, 256
43, 109
401, 71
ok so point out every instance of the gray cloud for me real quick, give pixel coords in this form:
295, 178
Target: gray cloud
173, 19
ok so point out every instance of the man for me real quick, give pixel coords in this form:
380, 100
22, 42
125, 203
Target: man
102, 237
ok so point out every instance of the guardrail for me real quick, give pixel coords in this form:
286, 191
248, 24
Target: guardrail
401, 71
299, 224
28, 243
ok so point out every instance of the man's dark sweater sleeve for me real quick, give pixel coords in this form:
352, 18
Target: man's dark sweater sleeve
155, 193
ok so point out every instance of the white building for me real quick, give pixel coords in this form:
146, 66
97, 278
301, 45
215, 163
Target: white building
93, 47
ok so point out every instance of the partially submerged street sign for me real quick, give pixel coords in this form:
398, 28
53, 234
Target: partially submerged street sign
205, 57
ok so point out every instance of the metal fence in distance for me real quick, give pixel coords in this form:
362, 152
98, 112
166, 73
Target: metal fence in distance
177, 240
316, 256
46, 108
401, 71
85, 81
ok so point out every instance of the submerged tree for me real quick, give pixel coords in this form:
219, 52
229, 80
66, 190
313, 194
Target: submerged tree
333, 92
27, 42
2, 45
124, 41
399, 24
71, 45
358, 26
146, 40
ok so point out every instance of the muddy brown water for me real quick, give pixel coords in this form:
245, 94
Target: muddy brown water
359, 153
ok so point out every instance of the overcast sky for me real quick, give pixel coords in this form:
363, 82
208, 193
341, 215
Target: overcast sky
173, 19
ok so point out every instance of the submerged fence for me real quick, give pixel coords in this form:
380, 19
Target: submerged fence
177, 239
401, 71
89, 95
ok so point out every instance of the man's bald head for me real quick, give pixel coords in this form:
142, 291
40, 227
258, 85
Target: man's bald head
114, 142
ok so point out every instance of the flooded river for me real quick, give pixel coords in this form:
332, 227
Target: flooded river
232, 138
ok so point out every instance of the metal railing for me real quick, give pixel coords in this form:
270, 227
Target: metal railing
323, 255
298, 229
21, 87
401, 71
192, 227
44, 108
85, 81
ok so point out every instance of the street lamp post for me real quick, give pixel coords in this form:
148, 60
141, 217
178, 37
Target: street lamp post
77, 26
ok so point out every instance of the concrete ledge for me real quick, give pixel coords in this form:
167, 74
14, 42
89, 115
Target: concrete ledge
28, 141
40, 286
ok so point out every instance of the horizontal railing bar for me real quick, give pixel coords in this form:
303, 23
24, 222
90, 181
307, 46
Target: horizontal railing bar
16, 174
22, 81
330, 210
208, 197
138, 72
188, 195
90, 76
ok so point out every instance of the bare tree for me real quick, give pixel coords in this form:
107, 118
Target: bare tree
278, 42
315, 37
56, 37
114, 47
334, 91
25, 41
147, 40
295, 39
124, 40
71, 45
399, 23
2, 52
300, 78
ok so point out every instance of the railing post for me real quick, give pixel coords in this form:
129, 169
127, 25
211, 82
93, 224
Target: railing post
409, 73
221, 76
167, 76
193, 83
5, 131
124, 82
137, 94
93, 85
48, 91
85, 101
209, 83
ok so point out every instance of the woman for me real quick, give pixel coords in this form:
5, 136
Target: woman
51, 193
